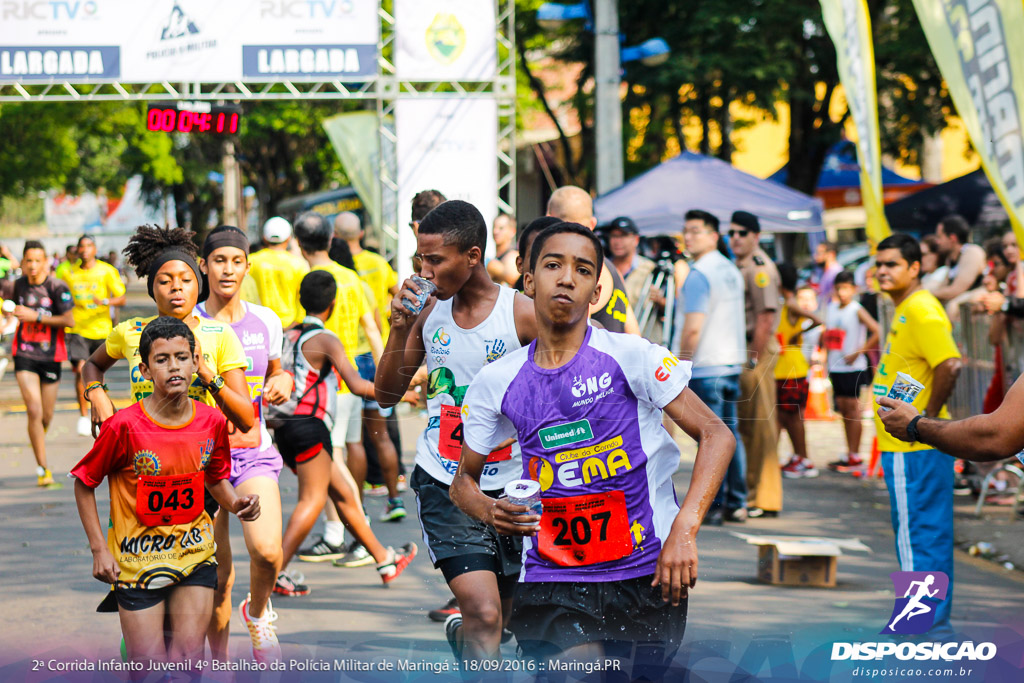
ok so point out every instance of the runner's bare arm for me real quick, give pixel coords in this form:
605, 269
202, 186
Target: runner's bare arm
246, 508
506, 518
278, 385
329, 350
404, 352
233, 398
946, 373
104, 566
93, 370
873, 330
28, 315
982, 438
677, 562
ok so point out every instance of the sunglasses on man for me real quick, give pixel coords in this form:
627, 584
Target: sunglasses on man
740, 233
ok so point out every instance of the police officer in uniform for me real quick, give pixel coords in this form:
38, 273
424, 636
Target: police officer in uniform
757, 381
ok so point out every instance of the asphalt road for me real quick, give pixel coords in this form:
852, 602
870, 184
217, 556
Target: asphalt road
738, 629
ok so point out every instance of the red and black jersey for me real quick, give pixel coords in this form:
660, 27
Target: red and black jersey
34, 340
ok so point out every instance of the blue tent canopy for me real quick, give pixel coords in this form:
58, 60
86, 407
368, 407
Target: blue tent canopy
841, 170
657, 200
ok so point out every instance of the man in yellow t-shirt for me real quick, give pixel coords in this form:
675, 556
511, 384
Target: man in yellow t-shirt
373, 268
95, 287
919, 478
277, 272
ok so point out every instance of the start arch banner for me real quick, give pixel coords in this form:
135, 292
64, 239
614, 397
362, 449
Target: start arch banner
187, 40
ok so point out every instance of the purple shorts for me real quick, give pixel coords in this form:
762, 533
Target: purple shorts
247, 463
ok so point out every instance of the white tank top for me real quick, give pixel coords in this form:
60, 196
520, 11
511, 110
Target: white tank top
846, 334
454, 357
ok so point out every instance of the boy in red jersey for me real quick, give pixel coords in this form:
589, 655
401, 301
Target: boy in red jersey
158, 455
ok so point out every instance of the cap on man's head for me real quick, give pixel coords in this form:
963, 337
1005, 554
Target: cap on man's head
276, 230
625, 224
746, 220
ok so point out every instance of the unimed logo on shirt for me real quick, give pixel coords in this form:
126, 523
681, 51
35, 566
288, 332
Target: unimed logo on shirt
565, 434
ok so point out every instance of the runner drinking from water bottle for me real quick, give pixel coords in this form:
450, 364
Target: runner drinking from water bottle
607, 567
469, 322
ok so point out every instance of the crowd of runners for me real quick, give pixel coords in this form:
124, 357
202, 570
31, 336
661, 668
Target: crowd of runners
530, 367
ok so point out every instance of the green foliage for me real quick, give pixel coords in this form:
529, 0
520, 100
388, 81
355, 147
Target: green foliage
760, 53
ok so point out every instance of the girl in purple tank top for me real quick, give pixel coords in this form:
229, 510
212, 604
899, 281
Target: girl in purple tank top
255, 463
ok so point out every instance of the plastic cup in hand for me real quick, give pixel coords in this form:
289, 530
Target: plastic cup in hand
9, 306
905, 388
525, 492
426, 288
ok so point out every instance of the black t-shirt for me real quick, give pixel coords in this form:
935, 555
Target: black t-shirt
613, 314
33, 340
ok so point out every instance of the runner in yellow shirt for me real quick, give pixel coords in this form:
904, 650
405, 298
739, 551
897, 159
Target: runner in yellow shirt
167, 258
277, 272
95, 287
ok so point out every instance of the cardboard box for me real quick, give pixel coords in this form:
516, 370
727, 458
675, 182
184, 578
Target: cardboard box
795, 570
800, 560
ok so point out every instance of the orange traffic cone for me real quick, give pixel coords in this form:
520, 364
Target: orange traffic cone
818, 407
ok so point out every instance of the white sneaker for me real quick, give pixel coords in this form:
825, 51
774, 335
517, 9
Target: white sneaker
262, 632
84, 426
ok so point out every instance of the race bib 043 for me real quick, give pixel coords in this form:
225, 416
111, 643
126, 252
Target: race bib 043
173, 499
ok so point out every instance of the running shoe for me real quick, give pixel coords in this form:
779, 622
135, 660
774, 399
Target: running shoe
400, 559
395, 511
451, 632
290, 584
84, 426
375, 490
847, 465
799, 468
961, 485
44, 477
262, 632
321, 551
738, 515
441, 614
403, 485
757, 513
356, 556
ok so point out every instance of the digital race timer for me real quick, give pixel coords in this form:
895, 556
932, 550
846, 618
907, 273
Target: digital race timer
193, 117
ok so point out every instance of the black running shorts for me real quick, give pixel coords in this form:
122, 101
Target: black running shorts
300, 439
459, 544
626, 616
48, 371
135, 599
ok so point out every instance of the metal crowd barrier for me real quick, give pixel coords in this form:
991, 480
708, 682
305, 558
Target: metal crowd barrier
971, 333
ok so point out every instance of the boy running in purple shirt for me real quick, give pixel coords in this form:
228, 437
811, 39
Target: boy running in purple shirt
607, 567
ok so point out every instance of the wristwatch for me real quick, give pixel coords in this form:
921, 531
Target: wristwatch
912, 429
215, 385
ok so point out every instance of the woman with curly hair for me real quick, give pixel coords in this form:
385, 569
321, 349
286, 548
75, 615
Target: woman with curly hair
167, 258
